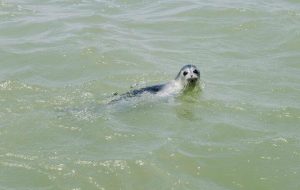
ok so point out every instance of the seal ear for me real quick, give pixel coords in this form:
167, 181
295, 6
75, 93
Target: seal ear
178, 75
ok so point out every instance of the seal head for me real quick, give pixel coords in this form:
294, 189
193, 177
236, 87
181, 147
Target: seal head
188, 77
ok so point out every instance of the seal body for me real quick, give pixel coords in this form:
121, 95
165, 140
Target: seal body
186, 80
150, 89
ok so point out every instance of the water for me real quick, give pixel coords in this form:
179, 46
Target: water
62, 60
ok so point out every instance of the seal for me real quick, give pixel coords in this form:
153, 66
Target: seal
186, 80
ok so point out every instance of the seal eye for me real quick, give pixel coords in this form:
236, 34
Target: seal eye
185, 73
196, 72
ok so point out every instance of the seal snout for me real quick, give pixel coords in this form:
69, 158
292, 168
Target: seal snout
192, 79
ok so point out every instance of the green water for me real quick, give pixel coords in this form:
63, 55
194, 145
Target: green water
61, 61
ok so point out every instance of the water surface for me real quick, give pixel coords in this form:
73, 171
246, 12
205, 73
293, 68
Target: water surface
62, 60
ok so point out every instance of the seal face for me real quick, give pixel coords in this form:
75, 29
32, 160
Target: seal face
187, 79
